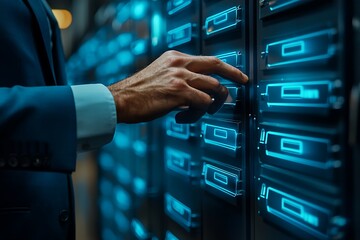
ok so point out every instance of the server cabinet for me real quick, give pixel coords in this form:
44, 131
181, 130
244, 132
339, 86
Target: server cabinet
303, 155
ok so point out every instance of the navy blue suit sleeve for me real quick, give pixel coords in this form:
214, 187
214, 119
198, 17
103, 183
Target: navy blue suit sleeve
38, 128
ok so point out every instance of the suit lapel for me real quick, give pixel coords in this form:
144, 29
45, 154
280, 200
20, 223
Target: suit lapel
42, 21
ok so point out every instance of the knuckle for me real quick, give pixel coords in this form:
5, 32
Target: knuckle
178, 84
215, 61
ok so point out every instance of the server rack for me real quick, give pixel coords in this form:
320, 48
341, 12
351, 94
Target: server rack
278, 161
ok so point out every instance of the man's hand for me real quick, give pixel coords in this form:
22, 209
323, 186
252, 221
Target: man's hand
174, 80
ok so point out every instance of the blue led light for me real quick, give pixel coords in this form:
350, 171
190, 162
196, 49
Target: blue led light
124, 58
233, 58
105, 187
221, 133
222, 21
139, 47
122, 174
274, 5
222, 180
311, 53
139, 9
176, 130
174, 6
178, 161
170, 236
299, 94
123, 198
179, 212
291, 144
220, 136
108, 234
302, 214
107, 208
179, 35
140, 148
139, 229
122, 222
293, 48
106, 161
139, 186
156, 29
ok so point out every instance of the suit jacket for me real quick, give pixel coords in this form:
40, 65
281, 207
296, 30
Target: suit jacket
37, 126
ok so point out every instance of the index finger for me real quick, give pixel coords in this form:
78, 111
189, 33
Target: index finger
213, 65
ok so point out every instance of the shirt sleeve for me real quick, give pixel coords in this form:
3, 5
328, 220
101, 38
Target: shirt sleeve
95, 116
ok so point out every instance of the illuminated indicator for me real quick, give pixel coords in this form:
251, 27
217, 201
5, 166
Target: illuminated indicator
295, 48
313, 94
227, 19
222, 180
174, 6
262, 136
179, 35
220, 133
232, 97
232, 58
292, 50
280, 4
170, 236
178, 161
302, 214
220, 136
304, 150
292, 146
263, 190
173, 129
139, 229
179, 212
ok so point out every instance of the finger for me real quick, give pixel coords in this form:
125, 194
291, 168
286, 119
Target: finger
198, 103
204, 83
213, 65
212, 87
219, 100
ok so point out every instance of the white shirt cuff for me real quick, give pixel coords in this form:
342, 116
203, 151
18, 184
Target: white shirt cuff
95, 115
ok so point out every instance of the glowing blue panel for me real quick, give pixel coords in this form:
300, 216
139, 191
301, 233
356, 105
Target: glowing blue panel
312, 94
139, 229
222, 21
310, 47
179, 212
227, 181
179, 162
179, 35
232, 97
232, 58
173, 129
306, 150
174, 6
170, 236
220, 136
274, 5
293, 48
156, 26
302, 214
269, 7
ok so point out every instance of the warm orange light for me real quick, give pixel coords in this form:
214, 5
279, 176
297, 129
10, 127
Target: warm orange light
63, 17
